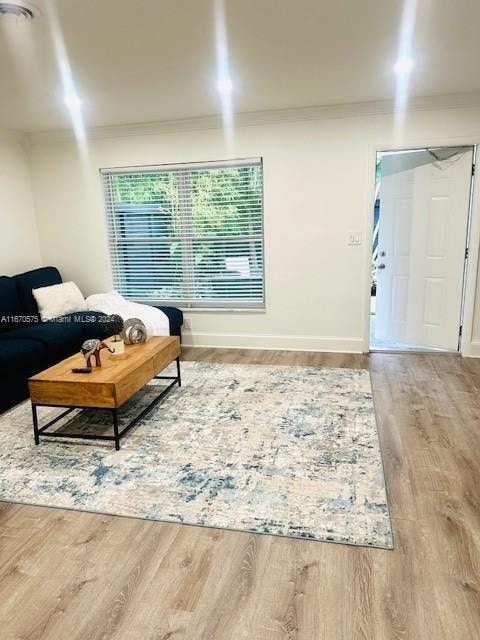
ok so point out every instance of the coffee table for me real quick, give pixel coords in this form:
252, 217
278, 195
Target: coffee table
106, 387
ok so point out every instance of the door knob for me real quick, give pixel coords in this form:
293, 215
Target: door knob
381, 266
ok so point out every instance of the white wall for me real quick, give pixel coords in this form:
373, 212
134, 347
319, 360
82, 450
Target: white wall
19, 246
318, 177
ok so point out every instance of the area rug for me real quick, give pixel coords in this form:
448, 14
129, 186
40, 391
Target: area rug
289, 451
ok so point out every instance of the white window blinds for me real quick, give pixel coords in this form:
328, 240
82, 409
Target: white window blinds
188, 235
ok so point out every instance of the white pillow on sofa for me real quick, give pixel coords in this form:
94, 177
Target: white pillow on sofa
58, 300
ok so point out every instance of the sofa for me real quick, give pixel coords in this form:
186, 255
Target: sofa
28, 345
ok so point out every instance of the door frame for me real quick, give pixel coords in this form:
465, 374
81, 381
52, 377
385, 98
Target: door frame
466, 348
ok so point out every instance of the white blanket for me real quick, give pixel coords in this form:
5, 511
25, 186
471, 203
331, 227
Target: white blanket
155, 320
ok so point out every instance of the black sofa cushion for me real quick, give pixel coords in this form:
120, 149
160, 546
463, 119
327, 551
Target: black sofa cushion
10, 306
21, 357
175, 318
43, 277
57, 338
13, 392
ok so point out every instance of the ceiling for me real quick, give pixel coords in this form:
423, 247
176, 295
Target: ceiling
155, 60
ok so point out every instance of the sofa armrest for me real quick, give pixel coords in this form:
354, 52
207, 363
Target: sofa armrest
175, 319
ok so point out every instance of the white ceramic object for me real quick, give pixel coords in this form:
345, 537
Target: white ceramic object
118, 347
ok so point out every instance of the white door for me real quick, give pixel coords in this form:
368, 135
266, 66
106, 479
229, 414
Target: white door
422, 237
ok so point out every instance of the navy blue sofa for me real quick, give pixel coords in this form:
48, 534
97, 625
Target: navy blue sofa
28, 345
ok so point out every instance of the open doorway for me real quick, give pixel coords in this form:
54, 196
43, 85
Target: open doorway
420, 248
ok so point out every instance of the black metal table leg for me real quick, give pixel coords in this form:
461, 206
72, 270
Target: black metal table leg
115, 429
35, 423
178, 373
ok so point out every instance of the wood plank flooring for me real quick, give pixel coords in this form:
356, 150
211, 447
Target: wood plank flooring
66, 575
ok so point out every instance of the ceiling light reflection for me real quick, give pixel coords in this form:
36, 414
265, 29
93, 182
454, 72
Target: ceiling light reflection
224, 82
225, 85
70, 95
72, 101
404, 66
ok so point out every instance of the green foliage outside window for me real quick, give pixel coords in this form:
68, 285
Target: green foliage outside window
190, 217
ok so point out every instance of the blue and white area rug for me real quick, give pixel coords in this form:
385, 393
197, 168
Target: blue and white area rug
289, 451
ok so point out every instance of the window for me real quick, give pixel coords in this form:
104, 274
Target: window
188, 235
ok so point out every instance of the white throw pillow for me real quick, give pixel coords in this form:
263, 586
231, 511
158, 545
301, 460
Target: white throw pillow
58, 300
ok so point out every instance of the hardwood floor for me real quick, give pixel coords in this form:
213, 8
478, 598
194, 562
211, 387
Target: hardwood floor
66, 575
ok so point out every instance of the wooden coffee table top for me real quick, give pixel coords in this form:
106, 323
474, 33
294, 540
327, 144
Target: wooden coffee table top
110, 385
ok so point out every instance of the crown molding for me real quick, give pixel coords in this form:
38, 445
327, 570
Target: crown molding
256, 118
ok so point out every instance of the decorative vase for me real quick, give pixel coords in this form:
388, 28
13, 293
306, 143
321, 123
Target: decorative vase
134, 331
118, 347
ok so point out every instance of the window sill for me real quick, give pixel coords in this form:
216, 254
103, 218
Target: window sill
221, 310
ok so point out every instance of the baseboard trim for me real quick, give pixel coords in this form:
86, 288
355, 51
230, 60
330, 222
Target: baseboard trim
473, 351
272, 342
